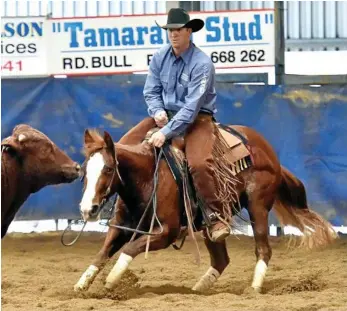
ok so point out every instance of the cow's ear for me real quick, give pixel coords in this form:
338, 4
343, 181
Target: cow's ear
13, 144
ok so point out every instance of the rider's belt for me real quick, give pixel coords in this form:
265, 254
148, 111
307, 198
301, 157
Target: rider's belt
171, 113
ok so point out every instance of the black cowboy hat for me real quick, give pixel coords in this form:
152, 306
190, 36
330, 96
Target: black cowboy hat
179, 18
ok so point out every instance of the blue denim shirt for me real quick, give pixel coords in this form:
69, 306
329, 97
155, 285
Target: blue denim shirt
183, 84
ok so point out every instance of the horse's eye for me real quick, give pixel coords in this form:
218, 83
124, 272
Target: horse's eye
108, 170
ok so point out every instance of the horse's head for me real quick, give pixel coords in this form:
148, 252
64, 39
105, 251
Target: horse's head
101, 174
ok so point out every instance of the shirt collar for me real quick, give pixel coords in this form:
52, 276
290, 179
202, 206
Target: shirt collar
186, 55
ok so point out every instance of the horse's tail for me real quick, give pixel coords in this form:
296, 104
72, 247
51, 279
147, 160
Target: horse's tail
291, 209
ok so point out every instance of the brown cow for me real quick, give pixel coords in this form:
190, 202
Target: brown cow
29, 162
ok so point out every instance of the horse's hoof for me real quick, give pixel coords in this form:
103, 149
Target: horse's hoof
109, 286
198, 288
79, 288
252, 291
257, 290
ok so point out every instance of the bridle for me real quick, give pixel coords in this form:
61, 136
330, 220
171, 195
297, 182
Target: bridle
104, 200
153, 199
115, 171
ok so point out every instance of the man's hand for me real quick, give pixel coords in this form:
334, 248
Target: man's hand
157, 139
161, 119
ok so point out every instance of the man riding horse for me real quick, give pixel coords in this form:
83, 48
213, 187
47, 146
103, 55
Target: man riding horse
180, 95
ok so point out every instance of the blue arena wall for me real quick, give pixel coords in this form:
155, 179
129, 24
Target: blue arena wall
306, 126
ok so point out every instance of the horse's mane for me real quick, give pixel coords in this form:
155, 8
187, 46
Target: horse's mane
99, 143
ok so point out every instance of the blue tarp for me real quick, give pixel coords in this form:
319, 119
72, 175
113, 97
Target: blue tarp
305, 125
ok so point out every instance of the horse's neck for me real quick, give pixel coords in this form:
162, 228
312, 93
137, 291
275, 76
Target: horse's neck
136, 168
136, 157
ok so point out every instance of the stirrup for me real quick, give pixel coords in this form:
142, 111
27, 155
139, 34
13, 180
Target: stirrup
219, 235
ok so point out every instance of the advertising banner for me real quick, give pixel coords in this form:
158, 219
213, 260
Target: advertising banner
125, 44
23, 48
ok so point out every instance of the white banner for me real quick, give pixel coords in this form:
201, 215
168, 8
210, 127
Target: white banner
23, 48
83, 46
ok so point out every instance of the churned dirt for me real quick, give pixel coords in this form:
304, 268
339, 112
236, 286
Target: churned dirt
38, 273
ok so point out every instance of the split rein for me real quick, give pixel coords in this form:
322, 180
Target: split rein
153, 199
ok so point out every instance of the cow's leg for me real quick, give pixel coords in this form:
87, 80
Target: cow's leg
8, 220
4, 228
134, 248
219, 261
115, 239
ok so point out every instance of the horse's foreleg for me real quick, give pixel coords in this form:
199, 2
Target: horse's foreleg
259, 216
219, 261
115, 239
132, 249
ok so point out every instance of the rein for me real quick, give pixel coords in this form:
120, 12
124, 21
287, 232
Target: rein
153, 199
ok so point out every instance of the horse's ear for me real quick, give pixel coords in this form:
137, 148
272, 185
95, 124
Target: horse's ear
88, 139
109, 143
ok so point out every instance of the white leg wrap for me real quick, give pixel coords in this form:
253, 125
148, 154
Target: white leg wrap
118, 270
259, 275
86, 279
207, 280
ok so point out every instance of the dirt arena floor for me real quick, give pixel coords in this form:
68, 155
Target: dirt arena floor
38, 273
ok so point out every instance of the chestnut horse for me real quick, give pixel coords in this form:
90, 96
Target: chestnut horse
128, 168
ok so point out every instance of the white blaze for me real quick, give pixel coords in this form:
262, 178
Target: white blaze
93, 172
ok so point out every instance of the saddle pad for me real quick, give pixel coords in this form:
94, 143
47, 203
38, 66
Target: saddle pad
237, 150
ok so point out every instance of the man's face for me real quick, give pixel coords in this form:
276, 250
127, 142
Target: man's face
179, 37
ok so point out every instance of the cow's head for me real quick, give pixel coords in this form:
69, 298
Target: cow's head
40, 157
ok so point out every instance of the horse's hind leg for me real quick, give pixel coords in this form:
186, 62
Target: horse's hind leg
219, 261
258, 211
